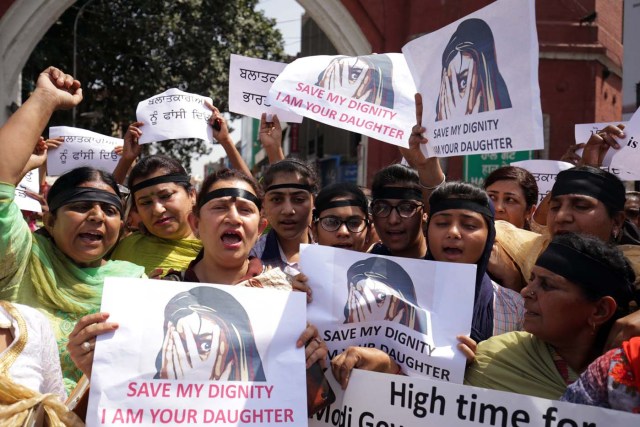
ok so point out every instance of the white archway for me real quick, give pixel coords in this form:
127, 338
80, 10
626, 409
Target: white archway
21, 28
339, 26
26, 22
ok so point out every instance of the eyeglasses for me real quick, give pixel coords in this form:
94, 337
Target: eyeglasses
355, 224
382, 209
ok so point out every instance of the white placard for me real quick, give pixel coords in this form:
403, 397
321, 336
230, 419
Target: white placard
372, 95
134, 371
479, 82
249, 82
626, 160
381, 400
545, 172
411, 309
583, 132
81, 148
174, 114
31, 182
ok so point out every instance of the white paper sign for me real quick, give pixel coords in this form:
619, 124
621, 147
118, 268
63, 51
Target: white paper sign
247, 369
479, 82
174, 114
626, 160
31, 182
81, 148
411, 309
372, 95
583, 132
545, 172
374, 399
249, 82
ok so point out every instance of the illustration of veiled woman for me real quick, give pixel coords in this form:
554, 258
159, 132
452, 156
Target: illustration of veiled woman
367, 78
470, 81
380, 289
208, 335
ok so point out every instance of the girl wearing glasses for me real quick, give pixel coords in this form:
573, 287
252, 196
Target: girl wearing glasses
340, 217
398, 212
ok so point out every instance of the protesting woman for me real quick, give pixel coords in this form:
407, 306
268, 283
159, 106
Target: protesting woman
290, 186
514, 193
227, 219
341, 217
61, 270
569, 312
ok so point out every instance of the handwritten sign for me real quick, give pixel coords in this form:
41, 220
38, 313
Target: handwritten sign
249, 82
627, 158
410, 309
583, 132
372, 95
406, 401
81, 148
174, 114
205, 354
31, 182
484, 96
545, 172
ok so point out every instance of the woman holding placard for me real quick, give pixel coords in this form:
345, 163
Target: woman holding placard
227, 219
59, 271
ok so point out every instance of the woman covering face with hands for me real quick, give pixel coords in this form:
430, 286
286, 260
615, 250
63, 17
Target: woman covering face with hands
208, 336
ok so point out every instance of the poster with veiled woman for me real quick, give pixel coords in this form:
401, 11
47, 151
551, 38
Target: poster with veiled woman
482, 95
214, 347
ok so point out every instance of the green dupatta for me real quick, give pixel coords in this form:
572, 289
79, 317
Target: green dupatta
517, 362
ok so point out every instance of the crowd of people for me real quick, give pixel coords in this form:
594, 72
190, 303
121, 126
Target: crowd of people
554, 291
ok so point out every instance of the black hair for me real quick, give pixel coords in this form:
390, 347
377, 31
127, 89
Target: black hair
460, 190
523, 177
79, 176
617, 187
611, 257
150, 164
343, 190
225, 175
306, 171
395, 174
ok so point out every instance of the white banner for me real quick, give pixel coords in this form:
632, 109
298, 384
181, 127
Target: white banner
381, 400
411, 309
81, 148
545, 172
31, 182
372, 95
198, 354
174, 114
484, 96
249, 82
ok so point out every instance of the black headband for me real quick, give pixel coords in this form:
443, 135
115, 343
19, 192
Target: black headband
467, 204
84, 194
304, 187
585, 271
401, 193
172, 177
608, 189
233, 192
337, 204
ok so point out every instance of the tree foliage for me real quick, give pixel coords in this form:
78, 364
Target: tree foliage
130, 50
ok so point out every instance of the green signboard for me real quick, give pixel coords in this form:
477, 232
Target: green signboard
478, 166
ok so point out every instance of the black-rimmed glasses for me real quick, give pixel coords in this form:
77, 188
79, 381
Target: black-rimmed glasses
406, 209
355, 224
